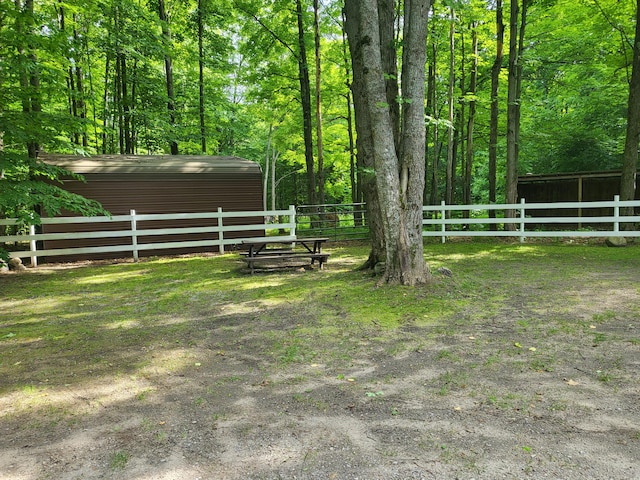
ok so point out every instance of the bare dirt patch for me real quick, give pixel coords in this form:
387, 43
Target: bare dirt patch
534, 376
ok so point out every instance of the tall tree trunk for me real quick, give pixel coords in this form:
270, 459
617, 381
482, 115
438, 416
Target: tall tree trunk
354, 174
319, 147
516, 45
118, 110
265, 180
433, 198
399, 180
105, 104
411, 267
168, 68
450, 144
203, 136
427, 127
472, 118
493, 129
126, 107
29, 75
80, 97
460, 129
305, 98
119, 102
630, 155
364, 137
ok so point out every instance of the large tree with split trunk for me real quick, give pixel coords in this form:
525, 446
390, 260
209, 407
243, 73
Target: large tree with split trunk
391, 130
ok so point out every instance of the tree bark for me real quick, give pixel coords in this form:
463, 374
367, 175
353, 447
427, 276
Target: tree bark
450, 143
472, 118
305, 98
399, 179
319, 146
29, 76
364, 140
493, 129
168, 68
512, 114
433, 197
354, 171
630, 155
203, 131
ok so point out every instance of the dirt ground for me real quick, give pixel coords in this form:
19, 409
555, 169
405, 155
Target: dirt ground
528, 390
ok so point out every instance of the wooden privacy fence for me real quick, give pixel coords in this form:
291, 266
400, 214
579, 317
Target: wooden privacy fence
129, 238
443, 224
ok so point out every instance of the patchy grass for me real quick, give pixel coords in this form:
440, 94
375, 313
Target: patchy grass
191, 344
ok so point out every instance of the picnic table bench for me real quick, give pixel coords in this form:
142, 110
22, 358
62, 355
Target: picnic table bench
281, 253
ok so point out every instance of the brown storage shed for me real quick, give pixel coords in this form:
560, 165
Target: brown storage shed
159, 184
571, 187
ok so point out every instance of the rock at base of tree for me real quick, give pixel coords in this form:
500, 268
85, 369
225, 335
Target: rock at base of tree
616, 242
445, 271
379, 268
16, 264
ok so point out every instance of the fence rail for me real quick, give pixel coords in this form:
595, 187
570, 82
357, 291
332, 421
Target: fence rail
440, 221
132, 234
440, 226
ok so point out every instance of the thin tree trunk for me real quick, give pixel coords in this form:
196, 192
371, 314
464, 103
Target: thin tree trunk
274, 160
493, 129
29, 76
459, 134
319, 147
433, 199
126, 109
472, 117
516, 43
119, 102
450, 145
305, 97
168, 68
203, 136
630, 155
105, 105
265, 189
354, 176
80, 100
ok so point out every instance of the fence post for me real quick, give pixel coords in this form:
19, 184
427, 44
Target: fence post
443, 217
134, 236
616, 213
292, 220
33, 244
220, 233
522, 217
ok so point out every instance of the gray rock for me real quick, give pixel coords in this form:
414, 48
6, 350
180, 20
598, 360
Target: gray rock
445, 271
379, 268
616, 242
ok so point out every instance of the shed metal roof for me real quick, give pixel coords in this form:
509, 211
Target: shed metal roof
153, 164
546, 177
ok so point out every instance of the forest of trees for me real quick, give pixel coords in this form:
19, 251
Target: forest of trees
270, 80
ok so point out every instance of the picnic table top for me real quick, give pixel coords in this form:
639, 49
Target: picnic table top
281, 240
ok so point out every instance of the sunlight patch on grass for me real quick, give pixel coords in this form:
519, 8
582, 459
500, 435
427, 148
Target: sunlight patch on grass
111, 277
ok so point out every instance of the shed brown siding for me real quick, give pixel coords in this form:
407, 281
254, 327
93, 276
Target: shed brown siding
161, 185
571, 187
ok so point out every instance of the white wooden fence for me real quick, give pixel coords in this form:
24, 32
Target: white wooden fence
130, 236
445, 225
440, 221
